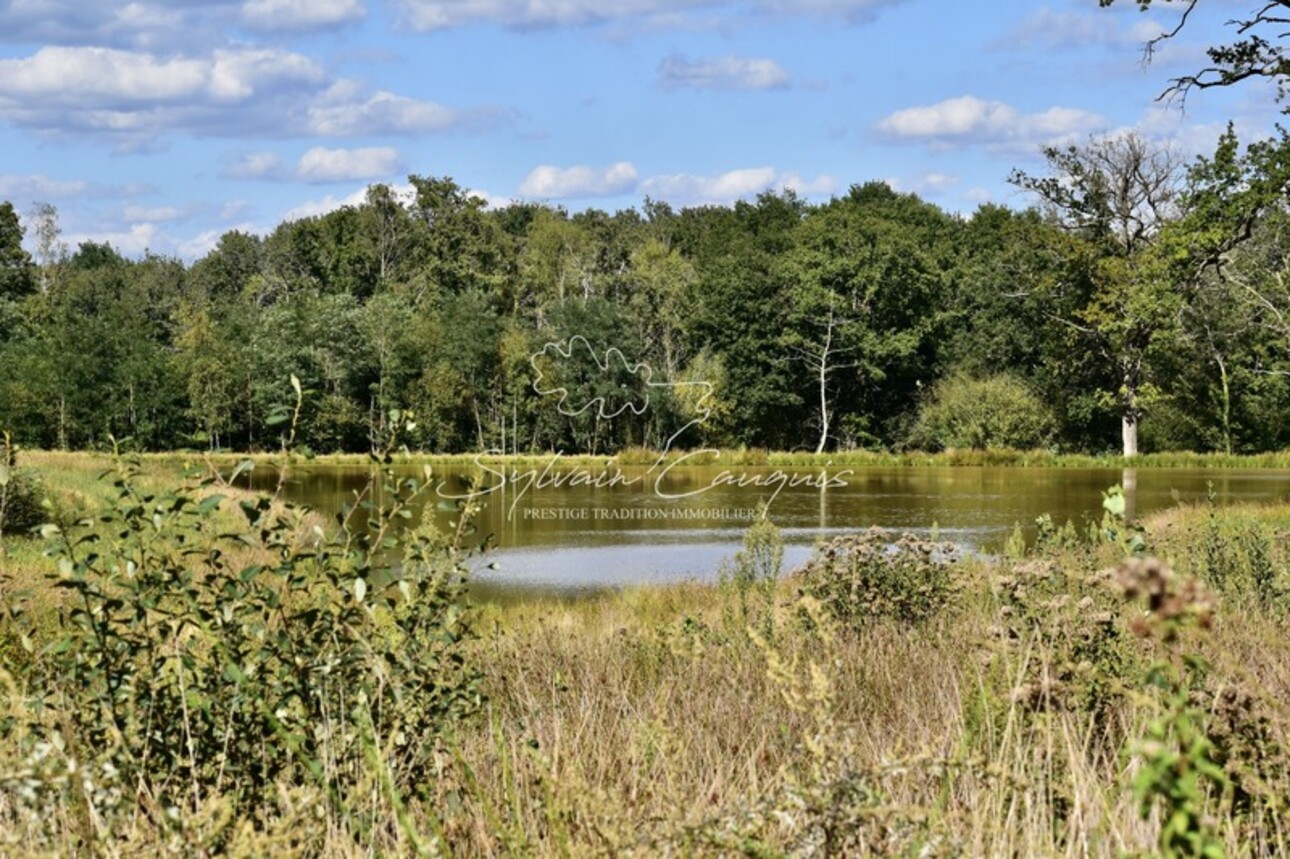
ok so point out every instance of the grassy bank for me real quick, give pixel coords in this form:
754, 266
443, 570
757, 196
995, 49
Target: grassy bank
884, 705
754, 457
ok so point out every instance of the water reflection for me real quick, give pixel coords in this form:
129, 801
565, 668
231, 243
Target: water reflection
650, 528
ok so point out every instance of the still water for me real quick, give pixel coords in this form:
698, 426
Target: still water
558, 527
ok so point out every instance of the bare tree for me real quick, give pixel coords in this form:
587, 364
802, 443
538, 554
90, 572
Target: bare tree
1122, 187
1118, 192
1255, 53
823, 355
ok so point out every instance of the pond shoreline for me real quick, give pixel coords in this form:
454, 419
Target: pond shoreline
1003, 458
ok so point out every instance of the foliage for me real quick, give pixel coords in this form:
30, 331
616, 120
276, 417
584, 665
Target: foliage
859, 578
753, 574
1179, 772
999, 411
817, 326
21, 498
195, 662
17, 273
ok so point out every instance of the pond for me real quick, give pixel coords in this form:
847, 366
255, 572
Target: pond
557, 527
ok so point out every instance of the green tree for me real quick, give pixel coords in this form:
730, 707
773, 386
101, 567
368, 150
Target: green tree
17, 273
209, 363
867, 295
1116, 194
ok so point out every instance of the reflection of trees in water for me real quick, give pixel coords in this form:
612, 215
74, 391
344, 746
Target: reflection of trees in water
1129, 480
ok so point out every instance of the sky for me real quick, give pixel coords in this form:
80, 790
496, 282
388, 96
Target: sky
159, 125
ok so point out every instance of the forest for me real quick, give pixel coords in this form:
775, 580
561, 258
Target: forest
1138, 303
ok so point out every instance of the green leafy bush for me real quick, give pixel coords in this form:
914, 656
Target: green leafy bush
753, 572
199, 660
21, 501
870, 575
999, 411
21, 496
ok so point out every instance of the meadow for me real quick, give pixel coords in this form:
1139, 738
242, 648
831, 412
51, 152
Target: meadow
200, 671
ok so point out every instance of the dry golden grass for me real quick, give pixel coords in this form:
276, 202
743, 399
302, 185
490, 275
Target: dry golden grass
644, 722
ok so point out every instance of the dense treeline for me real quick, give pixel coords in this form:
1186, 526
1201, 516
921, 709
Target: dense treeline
819, 326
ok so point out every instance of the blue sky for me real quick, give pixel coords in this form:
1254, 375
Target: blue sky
161, 124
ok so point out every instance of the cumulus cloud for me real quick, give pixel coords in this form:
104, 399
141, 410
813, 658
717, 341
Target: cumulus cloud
531, 14
554, 183
491, 201
137, 95
254, 165
931, 183
347, 165
330, 203
1069, 29
38, 187
848, 10
346, 110
689, 189
138, 24
131, 241
441, 14
721, 73
165, 24
971, 120
152, 214
300, 14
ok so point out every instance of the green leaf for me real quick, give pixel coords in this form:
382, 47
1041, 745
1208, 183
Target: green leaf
1114, 502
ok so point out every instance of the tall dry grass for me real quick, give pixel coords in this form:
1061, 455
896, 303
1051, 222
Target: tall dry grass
659, 722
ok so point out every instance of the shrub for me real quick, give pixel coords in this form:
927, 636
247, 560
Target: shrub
21, 501
754, 570
864, 576
21, 495
999, 411
198, 662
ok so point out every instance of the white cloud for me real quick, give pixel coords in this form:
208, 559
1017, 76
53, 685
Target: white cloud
39, 187
931, 183
689, 189
529, 14
139, 24
440, 14
849, 10
134, 96
151, 214
255, 165
300, 14
1069, 29
111, 79
330, 203
205, 242
554, 183
491, 201
347, 165
819, 186
345, 110
721, 73
98, 77
131, 241
968, 119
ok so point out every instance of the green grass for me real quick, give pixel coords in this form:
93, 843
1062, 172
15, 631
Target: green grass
758, 457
